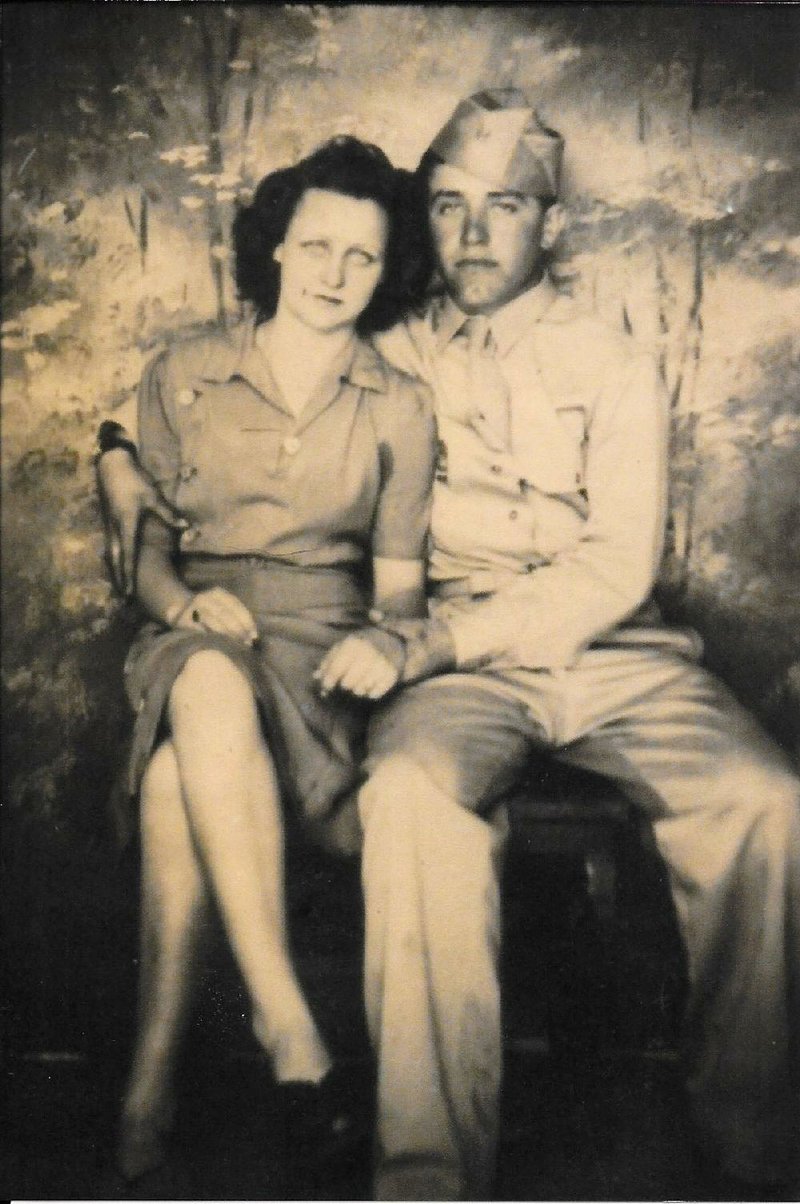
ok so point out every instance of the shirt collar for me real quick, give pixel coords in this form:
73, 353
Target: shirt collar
508, 324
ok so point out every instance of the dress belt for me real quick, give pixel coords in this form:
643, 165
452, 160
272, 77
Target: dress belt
276, 585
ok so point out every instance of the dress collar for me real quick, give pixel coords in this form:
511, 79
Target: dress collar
238, 355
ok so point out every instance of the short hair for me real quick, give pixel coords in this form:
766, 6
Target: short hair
353, 168
420, 190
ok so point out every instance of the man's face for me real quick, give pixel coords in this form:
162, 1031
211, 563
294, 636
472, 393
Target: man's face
487, 240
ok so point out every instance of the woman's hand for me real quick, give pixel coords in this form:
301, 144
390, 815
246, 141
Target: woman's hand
367, 664
219, 611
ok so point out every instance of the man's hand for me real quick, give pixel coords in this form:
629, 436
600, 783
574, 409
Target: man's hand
126, 493
219, 611
429, 647
367, 663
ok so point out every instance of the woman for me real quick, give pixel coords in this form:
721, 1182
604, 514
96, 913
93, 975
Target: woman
303, 463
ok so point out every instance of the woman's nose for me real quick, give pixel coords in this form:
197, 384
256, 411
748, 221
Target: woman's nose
333, 271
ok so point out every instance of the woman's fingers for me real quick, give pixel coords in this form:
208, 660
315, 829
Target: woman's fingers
223, 613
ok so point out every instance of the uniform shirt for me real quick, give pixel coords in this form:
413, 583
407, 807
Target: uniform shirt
348, 476
550, 492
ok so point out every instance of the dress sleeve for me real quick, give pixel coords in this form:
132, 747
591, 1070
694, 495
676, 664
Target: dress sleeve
159, 445
406, 433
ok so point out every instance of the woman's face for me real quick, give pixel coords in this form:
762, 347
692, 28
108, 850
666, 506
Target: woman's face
331, 258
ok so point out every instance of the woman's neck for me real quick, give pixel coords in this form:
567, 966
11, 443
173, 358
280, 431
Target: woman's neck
299, 356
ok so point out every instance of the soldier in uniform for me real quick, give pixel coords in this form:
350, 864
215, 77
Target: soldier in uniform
547, 525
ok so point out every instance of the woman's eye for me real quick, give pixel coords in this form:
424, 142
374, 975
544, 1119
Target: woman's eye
363, 258
315, 247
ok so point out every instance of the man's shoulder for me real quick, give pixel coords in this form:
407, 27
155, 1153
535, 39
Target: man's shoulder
573, 333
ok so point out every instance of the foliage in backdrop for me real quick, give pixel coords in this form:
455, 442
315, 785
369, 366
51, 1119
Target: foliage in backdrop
131, 132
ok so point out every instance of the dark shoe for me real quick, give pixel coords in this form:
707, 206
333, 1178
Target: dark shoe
326, 1130
717, 1183
140, 1149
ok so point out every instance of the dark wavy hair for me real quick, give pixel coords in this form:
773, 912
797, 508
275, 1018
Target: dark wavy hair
352, 168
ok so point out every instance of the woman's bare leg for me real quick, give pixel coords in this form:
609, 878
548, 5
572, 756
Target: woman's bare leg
173, 908
232, 802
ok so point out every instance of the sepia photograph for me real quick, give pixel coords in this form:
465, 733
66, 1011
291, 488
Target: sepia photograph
400, 601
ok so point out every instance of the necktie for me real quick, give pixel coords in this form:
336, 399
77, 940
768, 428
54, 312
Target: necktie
489, 396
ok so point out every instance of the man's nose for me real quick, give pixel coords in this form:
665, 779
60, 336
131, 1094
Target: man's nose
475, 231
333, 271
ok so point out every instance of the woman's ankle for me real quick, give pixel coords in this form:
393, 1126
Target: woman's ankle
297, 1052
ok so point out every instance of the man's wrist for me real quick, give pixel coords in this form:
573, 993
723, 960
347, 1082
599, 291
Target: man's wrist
390, 645
112, 436
429, 651
177, 609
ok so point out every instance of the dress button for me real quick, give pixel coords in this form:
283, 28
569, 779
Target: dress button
513, 514
291, 445
186, 397
496, 469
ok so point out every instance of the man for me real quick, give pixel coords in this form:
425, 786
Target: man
548, 514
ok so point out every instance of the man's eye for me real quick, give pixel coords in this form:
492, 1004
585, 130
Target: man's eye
507, 206
443, 208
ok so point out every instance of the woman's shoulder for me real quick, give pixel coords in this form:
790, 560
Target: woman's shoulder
208, 353
397, 396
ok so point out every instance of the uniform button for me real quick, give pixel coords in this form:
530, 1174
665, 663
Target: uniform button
529, 568
186, 397
291, 445
187, 471
496, 468
513, 514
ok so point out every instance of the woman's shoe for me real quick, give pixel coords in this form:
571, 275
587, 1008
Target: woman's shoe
141, 1147
326, 1126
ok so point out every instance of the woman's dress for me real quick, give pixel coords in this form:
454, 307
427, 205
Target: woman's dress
287, 512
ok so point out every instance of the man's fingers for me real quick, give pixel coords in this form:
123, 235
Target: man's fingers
167, 513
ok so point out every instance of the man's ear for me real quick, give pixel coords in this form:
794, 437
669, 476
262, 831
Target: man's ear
555, 221
277, 254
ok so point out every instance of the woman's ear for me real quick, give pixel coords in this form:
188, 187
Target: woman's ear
555, 221
277, 254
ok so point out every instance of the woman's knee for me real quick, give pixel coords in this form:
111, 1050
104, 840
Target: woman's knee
210, 685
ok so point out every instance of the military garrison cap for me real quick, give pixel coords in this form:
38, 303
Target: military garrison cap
497, 136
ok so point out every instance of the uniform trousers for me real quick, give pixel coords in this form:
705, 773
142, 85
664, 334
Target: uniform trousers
724, 804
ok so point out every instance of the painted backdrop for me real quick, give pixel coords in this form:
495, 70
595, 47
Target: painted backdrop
131, 132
